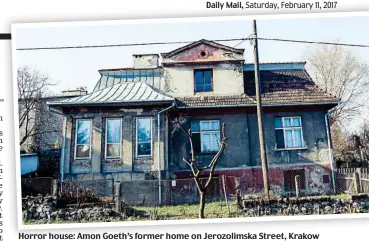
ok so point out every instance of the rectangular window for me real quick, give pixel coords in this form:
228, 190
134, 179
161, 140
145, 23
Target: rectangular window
288, 131
144, 137
205, 136
83, 139
203, 80
113, 138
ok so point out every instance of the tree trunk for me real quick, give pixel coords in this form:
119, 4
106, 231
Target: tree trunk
202, 205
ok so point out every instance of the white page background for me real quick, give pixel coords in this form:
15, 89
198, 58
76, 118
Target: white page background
18, 11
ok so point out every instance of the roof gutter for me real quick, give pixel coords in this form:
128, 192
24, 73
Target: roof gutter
159, 162
152, 102
254, 105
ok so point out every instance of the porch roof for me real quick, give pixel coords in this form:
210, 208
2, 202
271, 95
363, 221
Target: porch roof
125, 92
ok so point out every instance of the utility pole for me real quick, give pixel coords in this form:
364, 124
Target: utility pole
259, 110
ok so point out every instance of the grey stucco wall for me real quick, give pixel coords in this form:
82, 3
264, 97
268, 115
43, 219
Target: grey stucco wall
236, 153
96, 167
243, 141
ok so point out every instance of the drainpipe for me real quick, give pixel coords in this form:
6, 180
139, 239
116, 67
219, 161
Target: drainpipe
159, 166
330, 149
62, 155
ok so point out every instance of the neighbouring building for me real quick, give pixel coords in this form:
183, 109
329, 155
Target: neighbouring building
40, 129
123, 129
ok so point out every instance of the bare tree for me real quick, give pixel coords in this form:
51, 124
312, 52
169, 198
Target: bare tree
198, 170
353, 150
340, 72
34, 118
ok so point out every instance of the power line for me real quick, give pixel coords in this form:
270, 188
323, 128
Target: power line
315, 42
127, 45
248, 38
188, 42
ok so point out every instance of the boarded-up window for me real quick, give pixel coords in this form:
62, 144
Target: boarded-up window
289, 179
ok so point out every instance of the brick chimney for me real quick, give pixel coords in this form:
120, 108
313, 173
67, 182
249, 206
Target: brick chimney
74, 92
145, 61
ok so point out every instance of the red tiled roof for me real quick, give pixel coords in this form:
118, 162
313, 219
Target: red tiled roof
278, 87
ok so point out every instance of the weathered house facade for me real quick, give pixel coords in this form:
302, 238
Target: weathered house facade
123, 129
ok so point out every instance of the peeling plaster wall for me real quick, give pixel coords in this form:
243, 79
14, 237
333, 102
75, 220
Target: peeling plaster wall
250, 179
227, 80
236, 154
243, 140
227, 76
211, 54
241, 158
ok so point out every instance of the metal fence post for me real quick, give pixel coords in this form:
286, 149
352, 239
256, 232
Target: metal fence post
112, 191
55, 187
297, 185
117, 198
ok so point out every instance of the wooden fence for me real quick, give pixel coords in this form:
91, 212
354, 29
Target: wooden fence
352, 180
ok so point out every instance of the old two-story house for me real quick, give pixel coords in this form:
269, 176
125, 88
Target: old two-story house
123, 128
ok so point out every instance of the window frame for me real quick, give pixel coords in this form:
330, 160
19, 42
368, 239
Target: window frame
212, 79
201, 132
303, 146
76, 140
120, 138
151, 137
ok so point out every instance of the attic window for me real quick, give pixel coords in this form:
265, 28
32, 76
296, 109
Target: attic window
203, 54
203, 80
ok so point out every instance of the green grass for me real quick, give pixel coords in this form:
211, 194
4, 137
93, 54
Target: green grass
340, 196
188, 211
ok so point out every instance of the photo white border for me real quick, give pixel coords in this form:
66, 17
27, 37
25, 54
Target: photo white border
21, 226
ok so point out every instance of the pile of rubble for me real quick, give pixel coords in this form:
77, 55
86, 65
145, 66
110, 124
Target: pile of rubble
45, 208
305, 206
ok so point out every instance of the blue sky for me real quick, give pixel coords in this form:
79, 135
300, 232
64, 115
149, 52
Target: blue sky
78, 67
72, 68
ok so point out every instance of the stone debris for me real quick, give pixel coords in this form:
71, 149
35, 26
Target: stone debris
45, 208
304, 206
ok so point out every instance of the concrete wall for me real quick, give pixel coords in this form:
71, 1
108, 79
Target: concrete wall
243, 141
129, 166
179, 81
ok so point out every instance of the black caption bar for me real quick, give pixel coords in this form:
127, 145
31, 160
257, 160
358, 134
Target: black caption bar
5, 36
